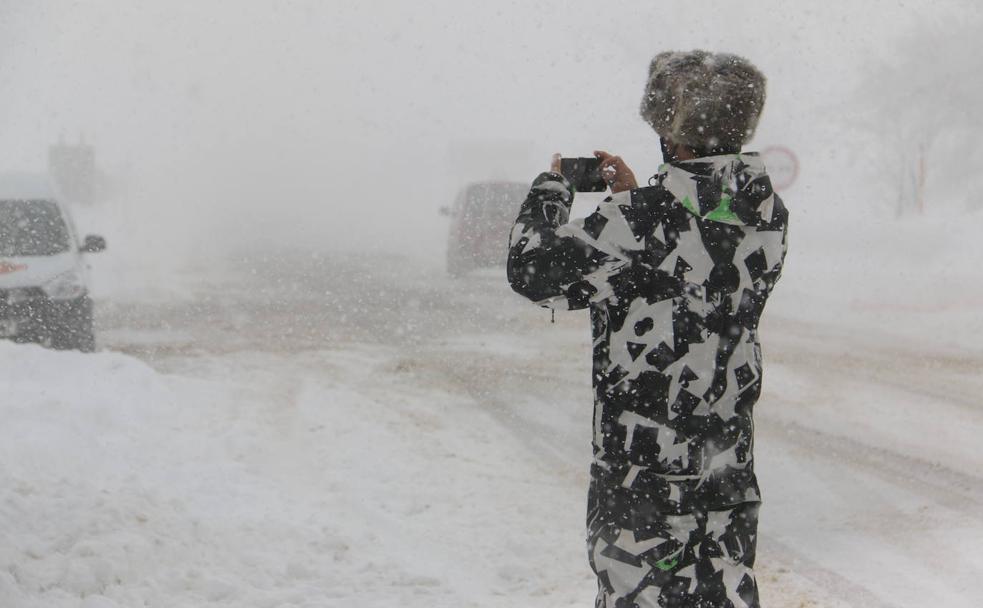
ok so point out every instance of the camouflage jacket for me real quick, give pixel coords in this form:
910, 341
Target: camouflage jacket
676, 276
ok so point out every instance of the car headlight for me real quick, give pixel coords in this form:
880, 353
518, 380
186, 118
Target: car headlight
66, 286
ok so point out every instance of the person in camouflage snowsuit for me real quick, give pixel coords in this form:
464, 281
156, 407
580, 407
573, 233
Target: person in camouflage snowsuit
676, 276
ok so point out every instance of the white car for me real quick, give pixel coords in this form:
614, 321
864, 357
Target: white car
44, 279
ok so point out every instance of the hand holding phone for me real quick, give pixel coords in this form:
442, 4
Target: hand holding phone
595, 174
584, 174
616, 172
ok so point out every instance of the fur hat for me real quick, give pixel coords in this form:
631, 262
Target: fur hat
706, 101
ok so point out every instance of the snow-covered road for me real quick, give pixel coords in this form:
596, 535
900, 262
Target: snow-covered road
336, 431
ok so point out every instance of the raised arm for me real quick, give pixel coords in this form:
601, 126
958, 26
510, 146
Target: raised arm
564, 265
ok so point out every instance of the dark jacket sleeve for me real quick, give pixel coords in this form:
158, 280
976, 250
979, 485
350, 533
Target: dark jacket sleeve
561, 264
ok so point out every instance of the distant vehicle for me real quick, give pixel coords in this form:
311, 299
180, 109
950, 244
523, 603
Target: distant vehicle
44, 280
482, 215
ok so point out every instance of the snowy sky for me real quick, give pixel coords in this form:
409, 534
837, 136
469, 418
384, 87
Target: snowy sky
344, 122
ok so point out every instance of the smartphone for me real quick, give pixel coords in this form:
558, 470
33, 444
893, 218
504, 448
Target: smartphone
584, 174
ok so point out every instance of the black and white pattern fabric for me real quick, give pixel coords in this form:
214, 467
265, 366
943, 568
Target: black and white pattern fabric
676, 276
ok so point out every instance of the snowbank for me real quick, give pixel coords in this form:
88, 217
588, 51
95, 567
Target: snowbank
328, 482
70, 423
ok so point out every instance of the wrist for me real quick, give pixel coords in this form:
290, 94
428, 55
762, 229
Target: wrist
552, 176
549, 181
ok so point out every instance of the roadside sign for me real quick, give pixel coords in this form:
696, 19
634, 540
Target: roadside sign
782, 165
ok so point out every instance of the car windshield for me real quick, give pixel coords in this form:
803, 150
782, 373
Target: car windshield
31, 227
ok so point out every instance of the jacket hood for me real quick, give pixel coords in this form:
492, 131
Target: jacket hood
729, 188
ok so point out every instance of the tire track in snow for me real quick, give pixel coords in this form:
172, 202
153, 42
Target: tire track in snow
950, 488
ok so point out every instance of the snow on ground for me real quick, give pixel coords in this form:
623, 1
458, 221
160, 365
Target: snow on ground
327, 482
334, 430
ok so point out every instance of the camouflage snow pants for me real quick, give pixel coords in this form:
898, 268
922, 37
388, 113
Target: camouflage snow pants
646, 559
